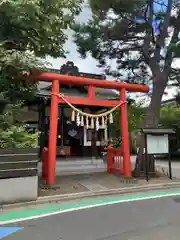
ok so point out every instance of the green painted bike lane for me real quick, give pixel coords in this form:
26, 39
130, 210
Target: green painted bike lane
39, 212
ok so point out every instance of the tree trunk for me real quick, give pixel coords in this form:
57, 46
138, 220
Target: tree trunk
151, 121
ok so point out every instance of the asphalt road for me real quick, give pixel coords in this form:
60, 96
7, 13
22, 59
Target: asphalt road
141, 220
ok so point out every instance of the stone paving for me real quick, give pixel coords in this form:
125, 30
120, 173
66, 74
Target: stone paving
104, 181
94, 183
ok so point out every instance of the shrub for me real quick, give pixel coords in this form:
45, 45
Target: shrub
14, 135
18, 137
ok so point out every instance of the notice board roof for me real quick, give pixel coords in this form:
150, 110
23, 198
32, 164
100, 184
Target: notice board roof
158, 131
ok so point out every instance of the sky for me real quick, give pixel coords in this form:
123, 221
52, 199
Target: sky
89, 64
84, 65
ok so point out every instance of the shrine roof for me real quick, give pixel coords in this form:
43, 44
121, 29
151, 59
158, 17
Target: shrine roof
78, 91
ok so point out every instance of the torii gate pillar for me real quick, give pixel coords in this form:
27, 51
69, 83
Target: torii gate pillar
125, 134
53, 132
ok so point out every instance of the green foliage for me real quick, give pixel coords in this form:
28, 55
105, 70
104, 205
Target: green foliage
121, 37
170, 118
136, 114
122, 31
116, 142
30, 30
18, 137
9, 114
15, 135
117, 6
37, 25
108, 36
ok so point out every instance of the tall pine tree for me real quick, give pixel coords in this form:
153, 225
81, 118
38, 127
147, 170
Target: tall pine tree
141, 36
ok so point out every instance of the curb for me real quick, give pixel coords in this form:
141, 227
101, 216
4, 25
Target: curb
83, 195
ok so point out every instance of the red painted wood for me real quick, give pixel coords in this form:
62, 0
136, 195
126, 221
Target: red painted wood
89, 102
73, 80
53, 133
109, 159
125, 134
91, 92
115, 162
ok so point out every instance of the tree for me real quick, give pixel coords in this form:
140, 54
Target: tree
136, 113
169, 118
31, 30
141, 37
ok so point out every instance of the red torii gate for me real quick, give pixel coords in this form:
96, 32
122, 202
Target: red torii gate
89, 101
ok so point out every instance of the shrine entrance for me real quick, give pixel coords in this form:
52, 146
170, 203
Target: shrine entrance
57, 98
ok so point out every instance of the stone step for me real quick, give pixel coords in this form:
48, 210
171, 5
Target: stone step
79, 162
73, 162
77, 167
64, 169
74, 167
80, 171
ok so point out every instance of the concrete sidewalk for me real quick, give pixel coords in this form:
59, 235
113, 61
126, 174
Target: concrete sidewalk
101, 184
91, 186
